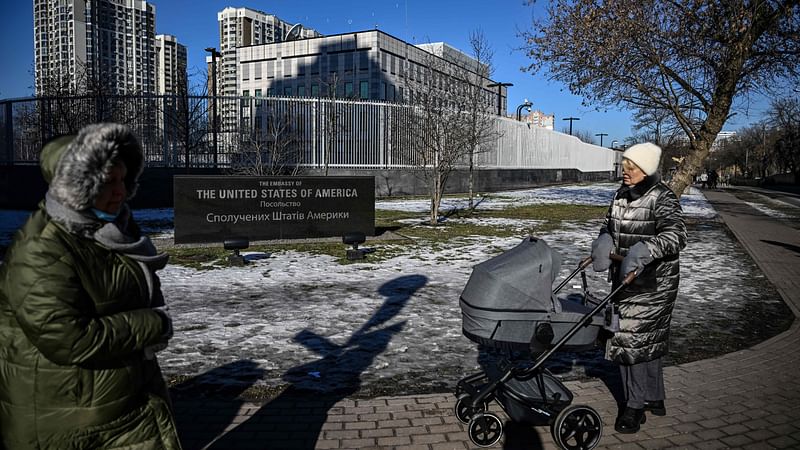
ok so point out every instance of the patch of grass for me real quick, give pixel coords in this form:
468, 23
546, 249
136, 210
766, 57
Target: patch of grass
549, 213
199, 258
446, 231
420, 236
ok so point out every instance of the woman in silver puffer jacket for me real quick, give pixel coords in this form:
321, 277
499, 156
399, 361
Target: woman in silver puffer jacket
645, 224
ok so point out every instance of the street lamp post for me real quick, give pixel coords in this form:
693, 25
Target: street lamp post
215, 120
601, 137
527, 104
571, 119
499, 87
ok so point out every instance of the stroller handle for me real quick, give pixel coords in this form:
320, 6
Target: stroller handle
614, 257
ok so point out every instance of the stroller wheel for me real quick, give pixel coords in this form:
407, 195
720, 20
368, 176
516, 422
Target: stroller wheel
577, 427
464, 410
485, 429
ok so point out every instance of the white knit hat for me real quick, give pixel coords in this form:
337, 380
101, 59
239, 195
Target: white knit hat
645, 155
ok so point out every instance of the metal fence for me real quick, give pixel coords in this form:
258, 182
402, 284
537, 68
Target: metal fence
314, 132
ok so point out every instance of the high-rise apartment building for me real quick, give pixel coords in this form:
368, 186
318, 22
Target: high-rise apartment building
171, 77
241, 27
722, 139
101, 45
540, 119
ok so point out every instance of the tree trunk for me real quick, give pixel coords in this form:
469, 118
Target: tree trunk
720, 102
471, 178
436, 198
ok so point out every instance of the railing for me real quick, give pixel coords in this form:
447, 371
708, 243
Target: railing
179, 132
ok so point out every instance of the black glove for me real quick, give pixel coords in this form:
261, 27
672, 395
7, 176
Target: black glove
601, 251
638, 257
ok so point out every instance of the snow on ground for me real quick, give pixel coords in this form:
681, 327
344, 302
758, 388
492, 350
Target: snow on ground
767, 211
307, 320
10, 221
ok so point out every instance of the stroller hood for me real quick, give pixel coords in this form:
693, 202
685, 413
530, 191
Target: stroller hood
518, 280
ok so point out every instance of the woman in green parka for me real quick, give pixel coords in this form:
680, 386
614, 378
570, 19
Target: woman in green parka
81, 310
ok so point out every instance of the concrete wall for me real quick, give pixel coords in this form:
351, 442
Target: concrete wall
529, 147
22, 186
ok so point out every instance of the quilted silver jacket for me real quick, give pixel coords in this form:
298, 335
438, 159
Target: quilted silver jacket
648, 212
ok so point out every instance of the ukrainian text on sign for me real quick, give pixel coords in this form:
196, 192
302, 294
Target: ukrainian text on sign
215, 208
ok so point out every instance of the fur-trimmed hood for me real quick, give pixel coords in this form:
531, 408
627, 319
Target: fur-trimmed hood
78, 164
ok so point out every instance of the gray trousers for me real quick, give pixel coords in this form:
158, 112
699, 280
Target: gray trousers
642, 382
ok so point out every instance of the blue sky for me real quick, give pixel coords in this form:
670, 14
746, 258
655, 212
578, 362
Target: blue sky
416, 21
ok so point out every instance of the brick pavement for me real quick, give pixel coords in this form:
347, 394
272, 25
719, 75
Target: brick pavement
746, 399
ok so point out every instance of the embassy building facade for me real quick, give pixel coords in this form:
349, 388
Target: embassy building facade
366, 65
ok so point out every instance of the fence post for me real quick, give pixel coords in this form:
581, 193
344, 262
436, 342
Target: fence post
8, 140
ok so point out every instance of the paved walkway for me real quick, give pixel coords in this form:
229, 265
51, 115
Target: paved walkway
745, 399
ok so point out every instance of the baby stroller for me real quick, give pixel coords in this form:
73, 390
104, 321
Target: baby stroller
508, 304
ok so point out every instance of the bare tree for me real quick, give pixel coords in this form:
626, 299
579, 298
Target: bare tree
584, 136
440, 127
65, 103
271, 146
743, 154
482, 126
333, 112
654, 125
693, 58
186, 117
785, 115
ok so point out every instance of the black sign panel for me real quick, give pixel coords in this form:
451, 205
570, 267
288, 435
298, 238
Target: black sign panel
215, 208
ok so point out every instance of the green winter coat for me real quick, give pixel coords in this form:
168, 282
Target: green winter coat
74, 320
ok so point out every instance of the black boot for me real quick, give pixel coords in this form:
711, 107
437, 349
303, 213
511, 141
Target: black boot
630, 420
656, 407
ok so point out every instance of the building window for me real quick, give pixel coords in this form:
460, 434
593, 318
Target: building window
270, 92
301, 91
315, 90
258, 94
363, 90
348, 63
383, 91
287, 91
348, 89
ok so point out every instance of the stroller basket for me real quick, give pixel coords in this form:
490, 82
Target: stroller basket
508, 303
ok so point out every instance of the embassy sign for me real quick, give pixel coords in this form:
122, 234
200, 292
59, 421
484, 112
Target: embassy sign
214, 208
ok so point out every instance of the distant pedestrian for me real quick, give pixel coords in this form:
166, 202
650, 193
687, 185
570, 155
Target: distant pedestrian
712, 178
703, 179
645, 224
81, 309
